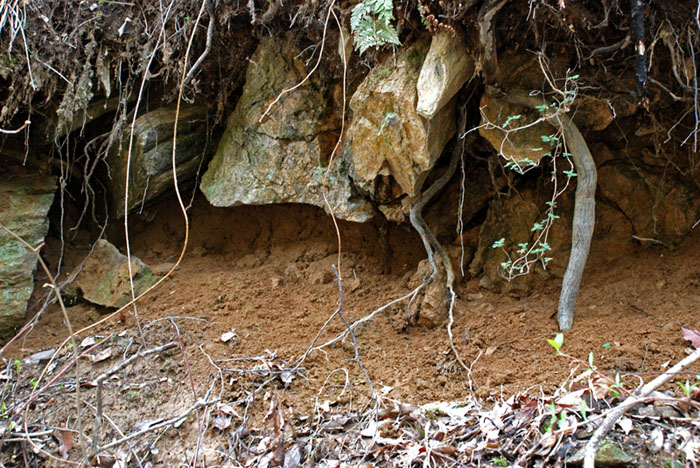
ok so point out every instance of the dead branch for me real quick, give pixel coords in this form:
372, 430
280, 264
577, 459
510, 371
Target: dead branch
167, 423
630, 402
57, 293
97, 430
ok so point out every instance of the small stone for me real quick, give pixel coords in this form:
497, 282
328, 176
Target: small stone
276, 281
609, 454
321, 277
485, 282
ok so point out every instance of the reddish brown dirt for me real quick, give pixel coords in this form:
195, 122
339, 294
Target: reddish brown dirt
265, 272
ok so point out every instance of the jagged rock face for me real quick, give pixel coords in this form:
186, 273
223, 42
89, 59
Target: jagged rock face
509, 129
391, 147
659, 208
151, 155
24, 203
104, 278
284, 158
446, 68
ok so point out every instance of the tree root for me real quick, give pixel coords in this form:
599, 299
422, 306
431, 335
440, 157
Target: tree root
584, 209
430, 242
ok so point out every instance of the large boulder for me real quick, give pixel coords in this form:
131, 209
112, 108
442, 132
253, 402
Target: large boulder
24, 203
104, 277
391, 147
283, 158
151, 155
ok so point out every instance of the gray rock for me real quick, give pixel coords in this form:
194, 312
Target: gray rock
104, 278
151, 155
24, 203
284, 158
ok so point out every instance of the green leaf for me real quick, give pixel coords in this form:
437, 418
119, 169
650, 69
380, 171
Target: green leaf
499, 243
557, 342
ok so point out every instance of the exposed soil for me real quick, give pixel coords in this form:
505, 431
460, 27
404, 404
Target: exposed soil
265, 272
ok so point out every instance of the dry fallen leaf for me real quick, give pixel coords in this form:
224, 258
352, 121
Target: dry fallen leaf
691, 335
66, 442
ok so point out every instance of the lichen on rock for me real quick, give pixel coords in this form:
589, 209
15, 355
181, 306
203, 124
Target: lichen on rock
283, 158
24, 204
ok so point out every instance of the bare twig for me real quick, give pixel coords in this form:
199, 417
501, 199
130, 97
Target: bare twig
630, 402
97, 430
167, 423
57, 293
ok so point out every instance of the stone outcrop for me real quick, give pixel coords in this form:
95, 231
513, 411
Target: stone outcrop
513, 219
445, 70
104, 278
283, 158
391, 148
660, 208
24, 203
511, 136
151, 155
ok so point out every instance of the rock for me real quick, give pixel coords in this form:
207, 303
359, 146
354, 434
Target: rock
513, 219
151, 155
519, 140
321, 276
592, 113
658, 207
608, 454
283, 159
391, 148
104, 278
445, 70
24, 203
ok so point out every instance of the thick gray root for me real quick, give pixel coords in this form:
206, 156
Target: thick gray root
584, 209
583, 222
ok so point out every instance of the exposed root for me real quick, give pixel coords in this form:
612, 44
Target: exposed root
584, 208
430, 243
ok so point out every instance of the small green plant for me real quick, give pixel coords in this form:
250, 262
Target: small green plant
557, 342
618, 385
583, 410
3, 411
371, 26
521, 260
687, 387
500, 461
555, 419
18, 366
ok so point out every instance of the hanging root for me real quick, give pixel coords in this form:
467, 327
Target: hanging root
430, 243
